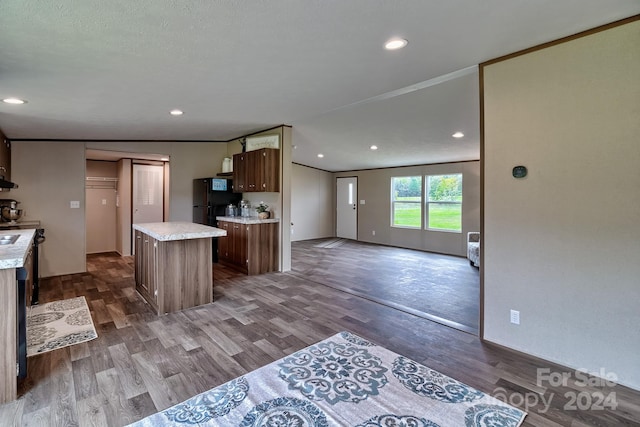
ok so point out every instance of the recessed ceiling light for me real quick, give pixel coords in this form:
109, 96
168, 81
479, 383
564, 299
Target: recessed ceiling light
176, 112
373, 147
13, 101
321, 155
396, 43
458, 135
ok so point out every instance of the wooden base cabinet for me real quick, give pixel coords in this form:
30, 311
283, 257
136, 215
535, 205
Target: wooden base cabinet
250, 248
173, 275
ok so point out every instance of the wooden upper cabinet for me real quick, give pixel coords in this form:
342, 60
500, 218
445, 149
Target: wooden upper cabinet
239, 172
257, 170
5, 158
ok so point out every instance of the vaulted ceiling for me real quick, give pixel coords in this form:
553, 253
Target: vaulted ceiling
112, 70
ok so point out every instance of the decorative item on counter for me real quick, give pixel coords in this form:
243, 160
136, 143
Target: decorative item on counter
245, 208
232, 210
263, 213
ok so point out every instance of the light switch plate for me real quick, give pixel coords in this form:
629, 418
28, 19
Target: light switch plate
74, 204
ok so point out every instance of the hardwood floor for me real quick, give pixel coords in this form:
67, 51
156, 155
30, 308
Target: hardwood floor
141, 363
442, 288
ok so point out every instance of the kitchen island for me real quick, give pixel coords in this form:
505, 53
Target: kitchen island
173, 264
15, 254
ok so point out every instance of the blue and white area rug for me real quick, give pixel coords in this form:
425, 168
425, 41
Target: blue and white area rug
344, 380
58, 324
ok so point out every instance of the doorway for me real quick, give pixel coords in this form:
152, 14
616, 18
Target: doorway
122, 208
347, 208
148, 193
100, 206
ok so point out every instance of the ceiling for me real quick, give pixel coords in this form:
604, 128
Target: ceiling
112, 70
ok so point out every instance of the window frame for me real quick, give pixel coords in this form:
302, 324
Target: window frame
428, 202
419, 203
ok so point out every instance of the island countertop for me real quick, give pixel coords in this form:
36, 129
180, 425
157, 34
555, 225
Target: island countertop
247, 220
13, 255
178, 230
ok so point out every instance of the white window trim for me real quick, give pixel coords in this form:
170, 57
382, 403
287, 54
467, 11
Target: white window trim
427, 203
418, 202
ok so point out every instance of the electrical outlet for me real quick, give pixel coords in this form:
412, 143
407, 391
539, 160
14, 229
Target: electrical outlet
74, 204
373, 232
515, 317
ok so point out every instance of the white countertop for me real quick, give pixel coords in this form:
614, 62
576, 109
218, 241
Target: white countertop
247, 220
178, 230
13, 255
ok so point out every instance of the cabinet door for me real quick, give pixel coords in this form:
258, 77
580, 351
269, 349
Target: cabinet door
234, 244
262, 248
223, 242
28, 265
139, 260
150, 256
254, 171
239, 173
270, 173
5, 158
242, 246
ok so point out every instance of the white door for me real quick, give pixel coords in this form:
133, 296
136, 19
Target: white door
148, 194
347, 208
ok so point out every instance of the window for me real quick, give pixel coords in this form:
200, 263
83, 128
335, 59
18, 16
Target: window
444, 202
406, 201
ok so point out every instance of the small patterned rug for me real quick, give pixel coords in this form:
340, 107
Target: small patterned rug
58, 324
344, 380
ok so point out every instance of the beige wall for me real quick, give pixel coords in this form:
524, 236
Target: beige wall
374, 187
51, 174
312, 199
562, 245
123, 208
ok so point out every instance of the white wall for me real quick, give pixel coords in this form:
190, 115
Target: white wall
374, 187
562, 245
312, 194
51, 174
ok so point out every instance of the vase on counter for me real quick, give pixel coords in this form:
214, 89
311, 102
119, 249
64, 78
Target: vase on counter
263, 215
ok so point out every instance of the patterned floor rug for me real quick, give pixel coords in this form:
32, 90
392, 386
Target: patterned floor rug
58, 324
344, 380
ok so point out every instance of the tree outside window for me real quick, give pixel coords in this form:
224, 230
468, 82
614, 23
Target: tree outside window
406, 201
444, 202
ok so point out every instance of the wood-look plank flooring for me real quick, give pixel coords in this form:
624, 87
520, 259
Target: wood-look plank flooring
438, 287
142, 363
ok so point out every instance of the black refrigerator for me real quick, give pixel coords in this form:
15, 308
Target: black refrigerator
211, 196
